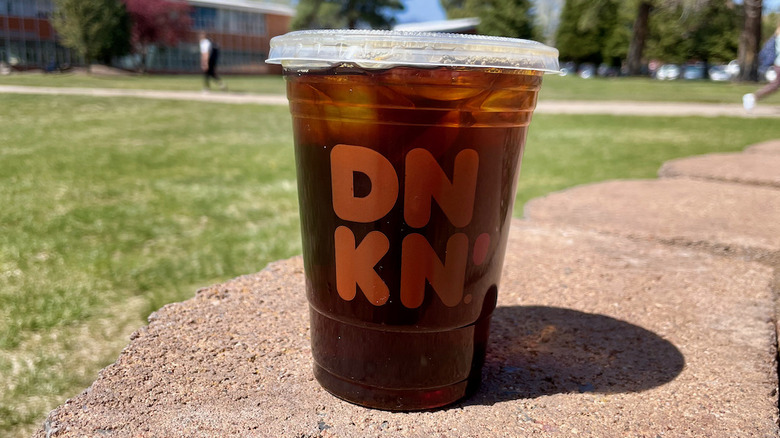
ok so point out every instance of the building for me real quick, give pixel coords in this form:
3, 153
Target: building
27, 39
242, 29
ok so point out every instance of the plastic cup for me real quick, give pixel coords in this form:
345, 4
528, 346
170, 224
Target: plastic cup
408, 148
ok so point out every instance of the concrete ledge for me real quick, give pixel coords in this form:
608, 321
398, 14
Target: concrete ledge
767, 147
752, 168
594, 335
727, 218
617, 316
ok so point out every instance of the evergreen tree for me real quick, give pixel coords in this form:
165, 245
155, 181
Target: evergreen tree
352, 14
98, 30
716, 34
507, 18
683, 9
587, 30
671, 36
461, 8
676, 31
769, 24
618, 39
317, 14
708, 34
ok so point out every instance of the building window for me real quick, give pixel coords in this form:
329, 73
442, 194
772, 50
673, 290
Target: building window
253, 24
228, 21
45, 8
204, 18
20, 8
26, 8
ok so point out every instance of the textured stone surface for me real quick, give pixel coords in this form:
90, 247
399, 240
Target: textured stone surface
767, 147
595, 335
714, 215
751, 168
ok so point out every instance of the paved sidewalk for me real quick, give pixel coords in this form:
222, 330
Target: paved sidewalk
207, 96
544, 107
629, 108
626, 309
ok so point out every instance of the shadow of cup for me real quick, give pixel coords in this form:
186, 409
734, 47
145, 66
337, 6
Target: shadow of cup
535, 351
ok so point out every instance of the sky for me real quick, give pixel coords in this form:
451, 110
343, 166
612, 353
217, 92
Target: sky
422, 10
769, 5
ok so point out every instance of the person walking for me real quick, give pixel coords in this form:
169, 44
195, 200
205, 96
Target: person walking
768, 56
209, 56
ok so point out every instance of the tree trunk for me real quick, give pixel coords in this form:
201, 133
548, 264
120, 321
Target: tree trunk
750, 41
638, 38
350, 9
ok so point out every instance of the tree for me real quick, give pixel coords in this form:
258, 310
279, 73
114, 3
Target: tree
547, 16
750, 41
461, 8
639, 37
97, 30
588, 30
668, 39
163, 22
769, 25
716, 32
370, 12
708, 33
317, 14
647, 8
507, 18
352, 14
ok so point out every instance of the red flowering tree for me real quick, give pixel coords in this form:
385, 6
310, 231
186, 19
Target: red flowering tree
157, 23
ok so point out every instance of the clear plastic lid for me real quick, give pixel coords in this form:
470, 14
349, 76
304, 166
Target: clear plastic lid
377, 49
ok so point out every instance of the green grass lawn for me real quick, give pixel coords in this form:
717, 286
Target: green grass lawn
113, 207
258, 84
564, 151
555, 87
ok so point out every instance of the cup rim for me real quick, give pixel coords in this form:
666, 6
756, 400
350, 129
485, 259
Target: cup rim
381, 49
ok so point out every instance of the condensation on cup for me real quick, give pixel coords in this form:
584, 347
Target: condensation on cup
408, 148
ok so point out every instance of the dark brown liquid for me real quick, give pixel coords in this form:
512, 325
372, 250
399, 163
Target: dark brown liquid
391, 356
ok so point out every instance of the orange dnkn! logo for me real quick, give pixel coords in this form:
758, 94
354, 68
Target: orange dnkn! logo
424, 182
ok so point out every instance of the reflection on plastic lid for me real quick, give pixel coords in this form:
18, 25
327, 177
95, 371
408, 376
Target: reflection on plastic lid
384, 49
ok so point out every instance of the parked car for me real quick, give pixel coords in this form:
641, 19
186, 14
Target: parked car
568, 68
719, 73
587, 70
668, 72
605, 71
694, 72
733, 68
